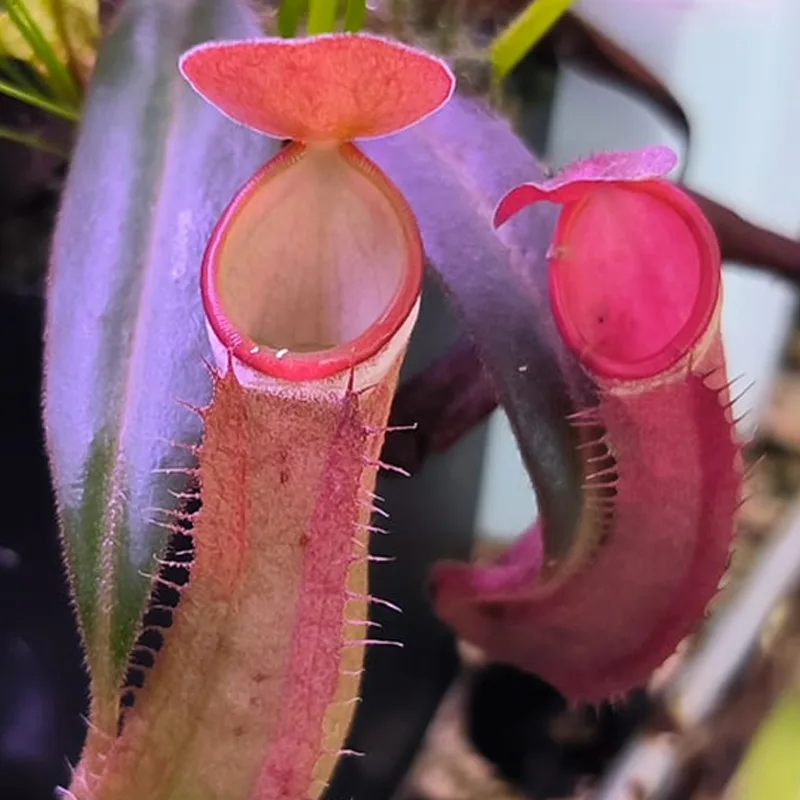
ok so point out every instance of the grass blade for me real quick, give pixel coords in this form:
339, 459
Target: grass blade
522, 35
354, 15
61, 81
13, 71
289, 16
322, 16
53, 106
31, 140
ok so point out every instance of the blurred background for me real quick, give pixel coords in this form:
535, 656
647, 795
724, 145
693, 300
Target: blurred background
716, 80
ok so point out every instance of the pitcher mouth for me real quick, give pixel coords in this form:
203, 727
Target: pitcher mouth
635, 316
314, 266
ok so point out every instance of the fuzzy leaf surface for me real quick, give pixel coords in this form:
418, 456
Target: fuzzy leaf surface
453, 168
153, 169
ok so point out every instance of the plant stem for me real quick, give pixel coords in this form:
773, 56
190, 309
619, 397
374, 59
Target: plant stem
444, 402
321, 16
354, 15
289, 17
522, 35
54, 107
31, 140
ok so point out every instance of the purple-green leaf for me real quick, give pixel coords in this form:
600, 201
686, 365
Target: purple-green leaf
153, 168
453, 168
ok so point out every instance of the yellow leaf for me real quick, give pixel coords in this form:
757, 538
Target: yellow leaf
69, 27
771, 770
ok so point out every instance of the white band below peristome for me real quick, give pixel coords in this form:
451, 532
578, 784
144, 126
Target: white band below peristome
366, 374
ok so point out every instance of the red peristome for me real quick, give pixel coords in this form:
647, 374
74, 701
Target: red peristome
294, 366
661, 469
634, 278
634, 264
335, 87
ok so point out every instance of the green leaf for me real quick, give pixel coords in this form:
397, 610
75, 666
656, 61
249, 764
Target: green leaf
24, 78
522, 35
770, 768
37, 100
30, 140
322, 16
289, 17
153, 168
354, 15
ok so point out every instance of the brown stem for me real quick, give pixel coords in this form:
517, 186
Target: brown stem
743, 242
444, 401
